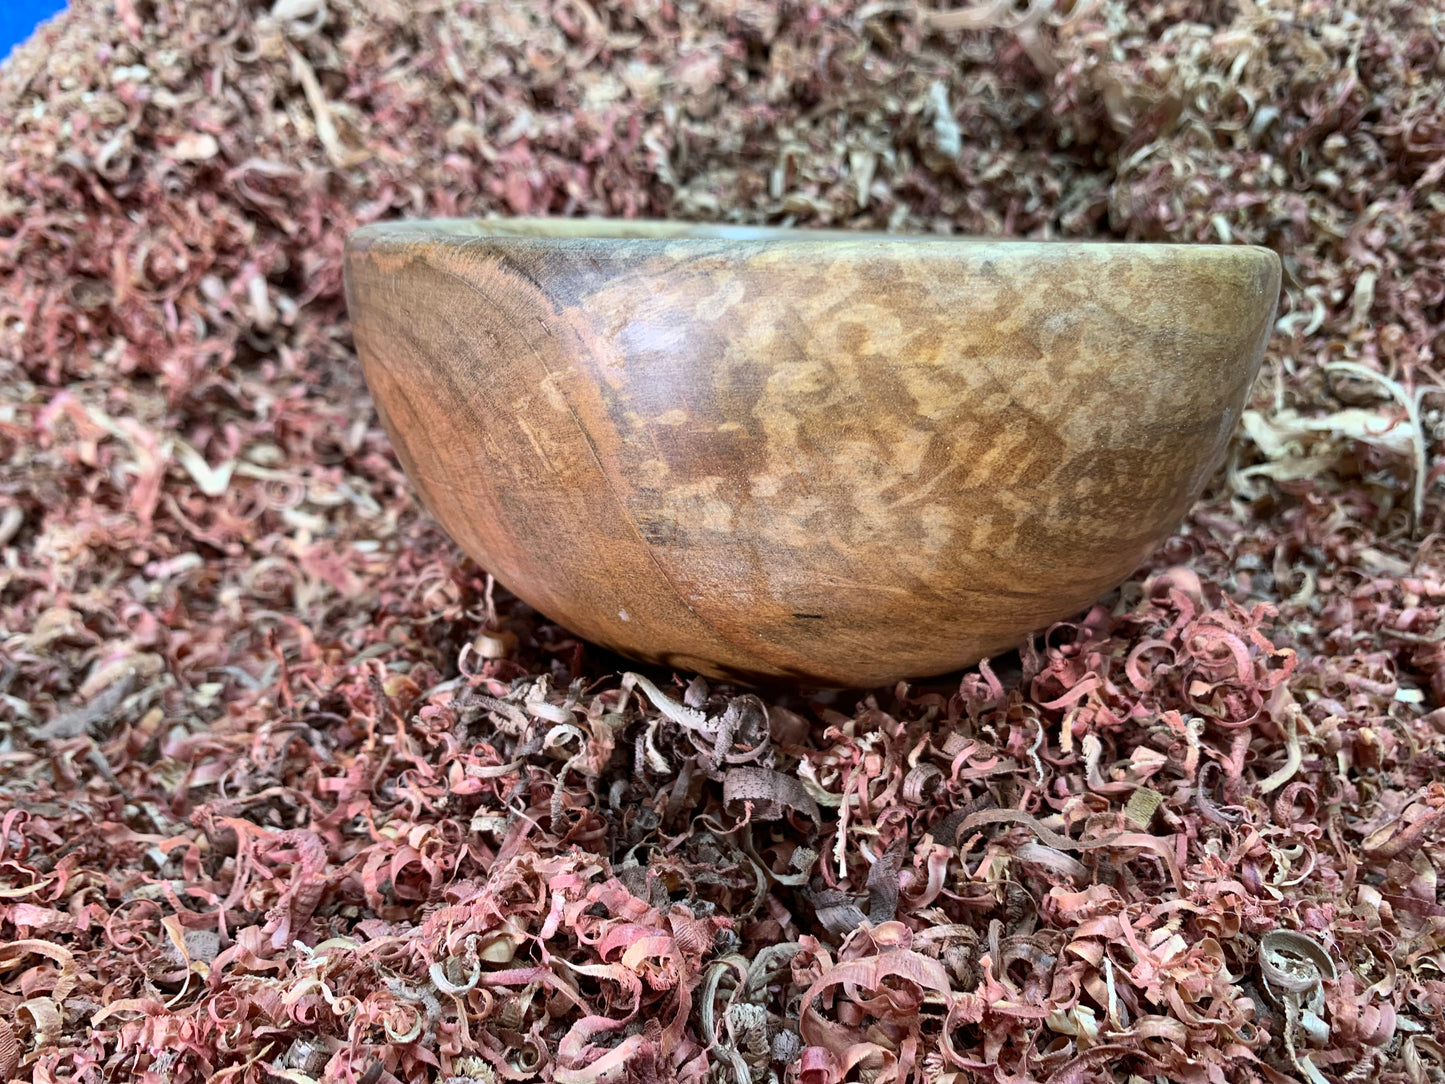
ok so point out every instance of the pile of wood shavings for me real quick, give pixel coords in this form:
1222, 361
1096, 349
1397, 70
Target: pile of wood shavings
290, 792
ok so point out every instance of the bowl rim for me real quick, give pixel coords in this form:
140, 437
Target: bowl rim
636, 233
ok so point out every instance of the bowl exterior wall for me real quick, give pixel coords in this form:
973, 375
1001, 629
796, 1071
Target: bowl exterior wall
837, 462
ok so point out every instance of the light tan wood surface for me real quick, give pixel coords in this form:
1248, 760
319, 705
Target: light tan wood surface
834, 458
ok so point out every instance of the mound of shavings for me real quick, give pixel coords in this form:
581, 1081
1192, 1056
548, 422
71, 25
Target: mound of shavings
291, 792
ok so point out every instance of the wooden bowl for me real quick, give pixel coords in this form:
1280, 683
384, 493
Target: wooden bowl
836, 458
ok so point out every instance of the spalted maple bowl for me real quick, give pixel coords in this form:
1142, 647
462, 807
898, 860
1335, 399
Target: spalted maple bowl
835, 458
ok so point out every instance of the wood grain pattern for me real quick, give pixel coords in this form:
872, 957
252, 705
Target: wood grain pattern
837, 459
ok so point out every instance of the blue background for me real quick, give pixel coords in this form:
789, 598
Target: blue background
18, 18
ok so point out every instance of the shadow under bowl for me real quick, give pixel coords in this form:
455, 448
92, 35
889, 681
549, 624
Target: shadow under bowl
836, 458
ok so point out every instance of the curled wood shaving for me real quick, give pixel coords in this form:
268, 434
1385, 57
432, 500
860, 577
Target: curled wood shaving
1051, 838
837, 911
1294, 963
13, 952
1398, 839
1053, 859
883, 885
768, 793
1294, 967
920, 783
1293, 758
1419, 475
444, 983
684, 716
10, 1051
44, 1017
